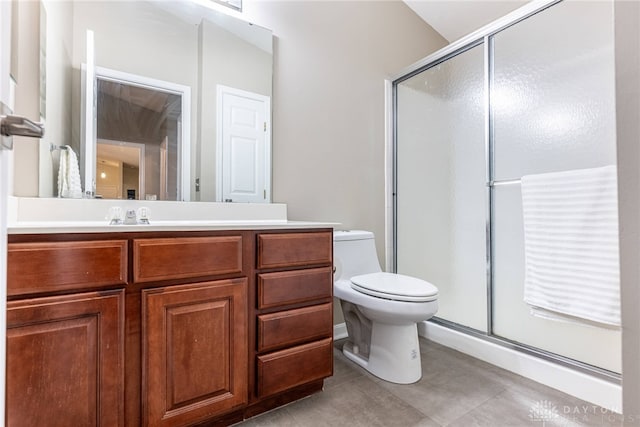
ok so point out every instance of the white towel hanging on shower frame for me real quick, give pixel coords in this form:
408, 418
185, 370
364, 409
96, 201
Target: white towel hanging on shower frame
571, 243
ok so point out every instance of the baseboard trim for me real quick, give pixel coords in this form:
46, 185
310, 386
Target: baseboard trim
578, 384
340, 331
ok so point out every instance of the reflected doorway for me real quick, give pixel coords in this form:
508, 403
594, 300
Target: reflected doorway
243, 149
138, 132
120, 170
137, 111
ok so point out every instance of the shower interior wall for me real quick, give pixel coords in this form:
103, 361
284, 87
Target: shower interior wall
440, 176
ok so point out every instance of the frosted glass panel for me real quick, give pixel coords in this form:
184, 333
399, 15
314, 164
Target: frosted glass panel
554, 111
553, 94
511, 316
441, 185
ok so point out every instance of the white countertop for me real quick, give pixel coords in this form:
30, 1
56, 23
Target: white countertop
44, 216
54, 227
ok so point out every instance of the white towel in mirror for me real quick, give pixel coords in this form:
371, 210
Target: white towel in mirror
69, 174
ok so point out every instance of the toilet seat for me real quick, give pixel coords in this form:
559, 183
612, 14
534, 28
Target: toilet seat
395, 287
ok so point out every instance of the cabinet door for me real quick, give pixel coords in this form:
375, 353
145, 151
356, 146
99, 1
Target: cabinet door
194, 351
65, 360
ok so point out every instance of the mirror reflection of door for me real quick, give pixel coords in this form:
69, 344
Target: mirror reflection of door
243, 146
145, 122
120, 170
132, 110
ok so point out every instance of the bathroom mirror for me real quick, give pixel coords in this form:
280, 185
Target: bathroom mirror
159, 144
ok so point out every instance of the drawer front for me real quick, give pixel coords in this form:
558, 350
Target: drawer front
294, 249
180, 258
285, 369
45, 267
294, 326
293, 287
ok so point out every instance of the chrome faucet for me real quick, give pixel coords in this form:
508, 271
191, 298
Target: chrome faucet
130, 217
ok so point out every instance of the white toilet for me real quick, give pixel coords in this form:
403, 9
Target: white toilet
381, 310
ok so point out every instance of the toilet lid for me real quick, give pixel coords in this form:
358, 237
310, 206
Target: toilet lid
395, 287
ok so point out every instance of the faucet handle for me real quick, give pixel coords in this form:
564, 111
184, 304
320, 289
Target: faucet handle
115, 215
143, 215
130, 217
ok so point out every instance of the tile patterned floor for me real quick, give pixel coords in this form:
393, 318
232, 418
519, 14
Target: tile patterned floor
455, 390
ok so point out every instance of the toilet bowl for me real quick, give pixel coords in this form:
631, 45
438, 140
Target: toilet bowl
381, 310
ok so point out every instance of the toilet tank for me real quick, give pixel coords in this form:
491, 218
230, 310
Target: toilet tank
354, 253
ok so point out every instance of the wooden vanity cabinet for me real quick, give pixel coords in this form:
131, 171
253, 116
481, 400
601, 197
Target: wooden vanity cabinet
293, 316
193, 326
65, 352
165, 328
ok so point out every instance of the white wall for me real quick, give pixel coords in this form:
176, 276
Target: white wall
25, 68
330, 62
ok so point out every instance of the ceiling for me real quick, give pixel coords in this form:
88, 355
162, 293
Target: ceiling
454, 19
115, 153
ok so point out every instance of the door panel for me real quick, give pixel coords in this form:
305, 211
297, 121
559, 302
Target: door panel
441, 194
5, 101
66, 360
194, 351
244, 149
553, 111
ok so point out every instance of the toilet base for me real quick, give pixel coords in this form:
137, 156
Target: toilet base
394, 354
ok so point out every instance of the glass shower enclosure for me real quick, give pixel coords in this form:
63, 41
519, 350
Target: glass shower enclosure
530, 94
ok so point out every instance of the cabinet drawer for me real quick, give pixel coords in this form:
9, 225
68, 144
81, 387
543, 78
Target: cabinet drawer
294, 249
179, 258
294, 326
45, 267
281, 370
292, 287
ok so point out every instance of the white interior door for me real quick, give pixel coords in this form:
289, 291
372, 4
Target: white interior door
5, 101
243, 149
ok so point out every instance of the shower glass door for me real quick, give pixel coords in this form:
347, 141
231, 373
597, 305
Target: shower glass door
552, 106
440, 184
528, 97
